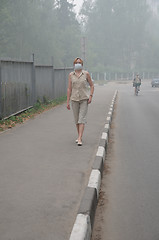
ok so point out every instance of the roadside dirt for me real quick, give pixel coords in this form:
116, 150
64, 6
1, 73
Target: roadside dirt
104, 196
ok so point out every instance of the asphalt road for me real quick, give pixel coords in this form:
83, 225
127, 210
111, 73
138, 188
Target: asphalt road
129, 200
43, 173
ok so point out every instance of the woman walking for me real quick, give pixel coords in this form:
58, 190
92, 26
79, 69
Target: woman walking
80, 96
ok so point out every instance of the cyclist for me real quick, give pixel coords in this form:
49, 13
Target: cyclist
137, 83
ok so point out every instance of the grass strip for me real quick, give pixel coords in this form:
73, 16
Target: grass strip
38, 108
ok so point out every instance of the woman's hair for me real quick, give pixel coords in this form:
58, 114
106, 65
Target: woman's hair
78, 59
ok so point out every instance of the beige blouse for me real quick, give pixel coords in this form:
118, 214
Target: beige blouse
80, 89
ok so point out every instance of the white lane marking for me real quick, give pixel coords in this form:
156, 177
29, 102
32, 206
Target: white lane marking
82, 228
95, 180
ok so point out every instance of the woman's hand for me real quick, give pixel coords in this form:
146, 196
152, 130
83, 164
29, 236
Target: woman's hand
91, 87
68, 106
90, 99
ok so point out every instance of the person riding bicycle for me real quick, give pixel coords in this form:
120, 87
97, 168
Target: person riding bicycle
137, 83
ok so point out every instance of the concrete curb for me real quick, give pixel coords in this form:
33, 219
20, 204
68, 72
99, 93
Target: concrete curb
82, 229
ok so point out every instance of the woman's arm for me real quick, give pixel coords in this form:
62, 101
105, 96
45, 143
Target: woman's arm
69, 90
91, 87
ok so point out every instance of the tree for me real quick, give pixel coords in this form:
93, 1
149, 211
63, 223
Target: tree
69, 30
116, 31
44, 27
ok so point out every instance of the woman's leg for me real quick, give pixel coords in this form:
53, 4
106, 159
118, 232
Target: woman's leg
77, 126
80, 112
75, 108
80, 134
82, 118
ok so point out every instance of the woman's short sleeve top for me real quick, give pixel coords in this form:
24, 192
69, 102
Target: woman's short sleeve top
80, 89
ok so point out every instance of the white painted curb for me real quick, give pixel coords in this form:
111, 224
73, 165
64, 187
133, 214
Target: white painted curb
95, 180
109, 113
105, 136
82, 228
100, 151
108, 119
106, 126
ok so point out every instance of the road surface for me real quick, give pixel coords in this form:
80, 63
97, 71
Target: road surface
129, 200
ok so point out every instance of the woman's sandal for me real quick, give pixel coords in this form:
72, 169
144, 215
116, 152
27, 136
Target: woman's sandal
79, 143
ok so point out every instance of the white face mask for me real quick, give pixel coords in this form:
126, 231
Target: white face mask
78, 66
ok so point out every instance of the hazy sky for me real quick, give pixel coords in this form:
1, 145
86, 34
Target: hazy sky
79, 4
